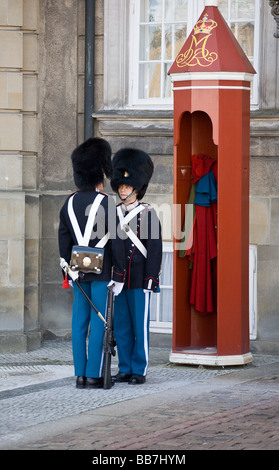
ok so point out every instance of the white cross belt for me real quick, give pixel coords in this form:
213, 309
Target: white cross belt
124, 225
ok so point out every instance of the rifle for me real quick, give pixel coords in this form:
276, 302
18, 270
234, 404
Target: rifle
109, 341
75, 278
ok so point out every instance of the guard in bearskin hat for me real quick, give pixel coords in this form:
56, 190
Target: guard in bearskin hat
141, 231
88, 224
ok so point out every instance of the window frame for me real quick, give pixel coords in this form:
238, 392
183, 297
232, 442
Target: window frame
255, 82
195, 9
135, 101
158, 326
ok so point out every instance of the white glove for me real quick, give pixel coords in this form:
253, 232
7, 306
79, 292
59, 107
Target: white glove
64, 265
66, 268
117, 287
146, 291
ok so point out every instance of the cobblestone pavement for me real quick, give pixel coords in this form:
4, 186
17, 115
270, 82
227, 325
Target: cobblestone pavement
179, 408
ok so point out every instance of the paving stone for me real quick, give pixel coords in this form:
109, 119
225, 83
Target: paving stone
179, 408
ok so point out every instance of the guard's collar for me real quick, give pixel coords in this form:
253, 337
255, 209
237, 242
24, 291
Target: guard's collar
129, 207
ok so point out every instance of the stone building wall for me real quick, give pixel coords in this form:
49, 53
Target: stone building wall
19, 228
264, 187
61, 108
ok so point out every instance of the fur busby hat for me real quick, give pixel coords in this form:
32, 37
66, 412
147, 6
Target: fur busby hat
132, 167
91, 162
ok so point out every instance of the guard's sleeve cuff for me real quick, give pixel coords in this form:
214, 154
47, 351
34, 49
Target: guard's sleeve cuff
118, 277
151, 284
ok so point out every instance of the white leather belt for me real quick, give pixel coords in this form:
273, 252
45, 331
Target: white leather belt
124, 221
83, 240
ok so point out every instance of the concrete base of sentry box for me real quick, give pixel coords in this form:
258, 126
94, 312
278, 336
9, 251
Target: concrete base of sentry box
205, 358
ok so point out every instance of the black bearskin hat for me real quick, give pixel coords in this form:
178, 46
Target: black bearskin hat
91, 161
132, 167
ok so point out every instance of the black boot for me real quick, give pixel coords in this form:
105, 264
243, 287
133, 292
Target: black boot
121, 377
137, 379
92, 382
80, 382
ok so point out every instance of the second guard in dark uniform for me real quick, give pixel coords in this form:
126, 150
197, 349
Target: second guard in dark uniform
141, 230
88, 220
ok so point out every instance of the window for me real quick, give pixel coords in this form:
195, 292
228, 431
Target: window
161, 304
243, 18
253, 255
159, 28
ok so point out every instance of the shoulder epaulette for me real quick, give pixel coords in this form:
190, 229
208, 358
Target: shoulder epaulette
146, 205
104, 194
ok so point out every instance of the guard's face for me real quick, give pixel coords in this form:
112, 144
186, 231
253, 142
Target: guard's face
124, 191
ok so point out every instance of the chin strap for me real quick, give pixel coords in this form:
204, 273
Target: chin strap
128, 197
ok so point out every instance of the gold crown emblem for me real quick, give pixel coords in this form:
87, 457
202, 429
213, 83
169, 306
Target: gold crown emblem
205, 26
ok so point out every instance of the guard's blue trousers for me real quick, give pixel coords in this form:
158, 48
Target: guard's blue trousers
88, 362
131, 330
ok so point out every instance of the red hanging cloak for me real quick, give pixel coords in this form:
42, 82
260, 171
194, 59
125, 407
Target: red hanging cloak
203, 252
